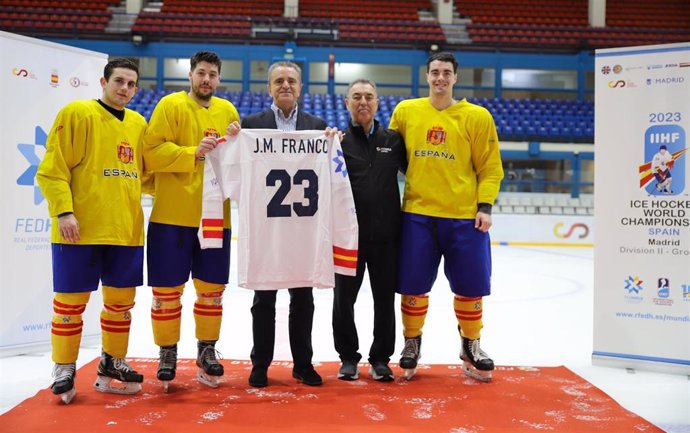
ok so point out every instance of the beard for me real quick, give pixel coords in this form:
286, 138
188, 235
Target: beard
201, 95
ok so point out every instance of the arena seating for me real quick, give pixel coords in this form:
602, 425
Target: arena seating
186, 26
516, 119
371, 10
345, 21
543, 25
55, 16
543, 203
563, 24
223, 7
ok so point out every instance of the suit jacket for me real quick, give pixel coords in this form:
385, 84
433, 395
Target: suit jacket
267, 119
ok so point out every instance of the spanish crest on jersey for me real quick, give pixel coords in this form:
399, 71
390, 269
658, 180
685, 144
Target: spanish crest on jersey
125, 153
436, 135
211, 132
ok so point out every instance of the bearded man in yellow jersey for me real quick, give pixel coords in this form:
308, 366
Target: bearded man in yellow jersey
452, 180
184, 127
91, 176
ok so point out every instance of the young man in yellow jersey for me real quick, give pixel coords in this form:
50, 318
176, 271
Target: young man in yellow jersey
91, 176
452, 180
183, 128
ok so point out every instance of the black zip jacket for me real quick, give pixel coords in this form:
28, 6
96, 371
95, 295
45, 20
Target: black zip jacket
372, 165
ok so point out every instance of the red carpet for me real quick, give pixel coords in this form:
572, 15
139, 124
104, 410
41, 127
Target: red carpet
439, 399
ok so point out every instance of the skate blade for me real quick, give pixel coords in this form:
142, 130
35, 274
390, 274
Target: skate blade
207, 380
166, 385
104, 384
67, 397
480, 375
409, 373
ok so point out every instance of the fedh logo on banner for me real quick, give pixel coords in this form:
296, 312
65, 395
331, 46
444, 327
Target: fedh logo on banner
33, 153
663, 170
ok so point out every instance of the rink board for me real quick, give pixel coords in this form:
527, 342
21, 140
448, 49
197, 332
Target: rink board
438, 399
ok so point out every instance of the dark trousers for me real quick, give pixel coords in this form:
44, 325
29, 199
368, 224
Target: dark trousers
299, 324
381, 259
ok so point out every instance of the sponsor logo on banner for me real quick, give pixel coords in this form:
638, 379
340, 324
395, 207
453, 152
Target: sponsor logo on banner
606, 70
33, 153
617, 69
665, 81
54, 78
663, 292
686, 292
671, 65
620, 84
23, 73
31, 233
580, 229
77, 82
633, 287
684, 65
654, 66
663, 170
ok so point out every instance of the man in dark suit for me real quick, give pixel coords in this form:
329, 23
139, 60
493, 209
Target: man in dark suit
285, 86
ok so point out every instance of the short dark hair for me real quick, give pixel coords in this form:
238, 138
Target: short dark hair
205, 56
119, 62
443, 56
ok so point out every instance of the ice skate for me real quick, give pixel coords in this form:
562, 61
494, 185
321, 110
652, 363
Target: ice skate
210, 369
117, 369
64, 381
410, 356
167, 365
475, 362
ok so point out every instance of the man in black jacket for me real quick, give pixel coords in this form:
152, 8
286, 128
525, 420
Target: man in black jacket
285, 86
373, 156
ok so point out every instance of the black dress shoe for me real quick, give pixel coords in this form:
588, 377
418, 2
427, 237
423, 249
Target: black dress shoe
307, 376
258, 378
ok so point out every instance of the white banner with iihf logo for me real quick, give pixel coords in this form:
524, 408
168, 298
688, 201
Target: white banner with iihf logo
37, 79
642, 208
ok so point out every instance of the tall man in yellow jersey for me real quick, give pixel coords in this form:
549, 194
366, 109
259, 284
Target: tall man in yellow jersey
452, 180
183, 128
91, 176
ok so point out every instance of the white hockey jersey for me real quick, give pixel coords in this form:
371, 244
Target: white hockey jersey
297, 220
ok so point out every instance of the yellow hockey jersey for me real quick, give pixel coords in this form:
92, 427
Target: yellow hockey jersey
453, 154
93, 167
177, 125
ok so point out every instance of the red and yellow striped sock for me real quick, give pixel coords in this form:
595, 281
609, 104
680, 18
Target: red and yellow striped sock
166, 315
468, 311
116, 319
414, 309
67, 325
208, 310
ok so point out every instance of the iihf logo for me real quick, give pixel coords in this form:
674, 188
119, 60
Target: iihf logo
664, 289
663, 292
663, 169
